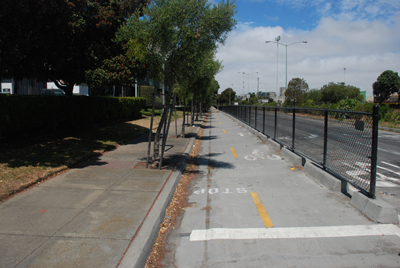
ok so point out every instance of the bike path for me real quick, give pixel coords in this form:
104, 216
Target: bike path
249, 207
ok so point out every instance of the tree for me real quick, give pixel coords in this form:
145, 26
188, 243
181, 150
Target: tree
63, 40
386, 84
296, 91
174, 38
314, 95
227, 96
333, 93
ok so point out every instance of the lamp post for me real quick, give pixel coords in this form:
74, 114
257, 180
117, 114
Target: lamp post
230, 95
243, 80
286, 45
248, 75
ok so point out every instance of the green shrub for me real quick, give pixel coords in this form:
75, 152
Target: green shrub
392, 116
148, 112
23, 114
383, 110
364, 107
347, 104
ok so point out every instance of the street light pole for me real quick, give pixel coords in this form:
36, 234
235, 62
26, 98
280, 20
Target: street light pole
243, 80
286, 45
248, 75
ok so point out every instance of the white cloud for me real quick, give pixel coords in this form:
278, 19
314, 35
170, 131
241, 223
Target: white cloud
364, 48
347, 9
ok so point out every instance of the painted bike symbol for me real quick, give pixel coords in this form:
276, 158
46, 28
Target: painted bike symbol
254, 155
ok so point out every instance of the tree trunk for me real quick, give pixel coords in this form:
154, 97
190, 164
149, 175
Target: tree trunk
192, 114
197, 111
183, 123
67, 87
156, 147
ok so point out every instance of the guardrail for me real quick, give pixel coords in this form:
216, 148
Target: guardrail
344, 143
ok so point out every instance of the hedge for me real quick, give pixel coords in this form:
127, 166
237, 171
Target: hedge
23, 114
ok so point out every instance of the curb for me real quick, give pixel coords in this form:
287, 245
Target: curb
291, 157
138, 252
322, 177
375, 209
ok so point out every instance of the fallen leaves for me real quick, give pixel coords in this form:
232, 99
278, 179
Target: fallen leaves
177, 205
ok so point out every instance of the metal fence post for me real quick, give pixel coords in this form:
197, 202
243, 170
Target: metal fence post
276, 120
293, 128
263, 120
249, 115
325, 140
255, 117
374, 151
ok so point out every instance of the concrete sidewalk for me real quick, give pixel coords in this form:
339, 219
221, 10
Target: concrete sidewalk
105, 213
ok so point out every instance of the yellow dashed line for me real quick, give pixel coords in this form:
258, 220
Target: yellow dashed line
224, 131
220, 123
261, 210
234, 153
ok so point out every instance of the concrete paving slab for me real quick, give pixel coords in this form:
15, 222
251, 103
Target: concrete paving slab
93, 172
147, 173
47, 197
77, 252
139, 184
24, 220
124, 199
113, 224
94, 183
22, 245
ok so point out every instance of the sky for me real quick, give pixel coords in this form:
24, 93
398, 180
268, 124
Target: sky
351, 41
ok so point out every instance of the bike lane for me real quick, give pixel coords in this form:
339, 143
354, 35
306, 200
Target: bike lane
248, 207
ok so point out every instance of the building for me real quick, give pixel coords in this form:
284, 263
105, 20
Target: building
27, 86
282, 91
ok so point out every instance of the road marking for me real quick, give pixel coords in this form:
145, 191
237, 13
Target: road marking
274, 157
220, 123
234, 153
397, 173
295, 232
389, 151
240, 134
261, 210
224, 131
217, 191
390, 164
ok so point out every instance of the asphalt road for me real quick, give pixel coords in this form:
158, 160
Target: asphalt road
248, 207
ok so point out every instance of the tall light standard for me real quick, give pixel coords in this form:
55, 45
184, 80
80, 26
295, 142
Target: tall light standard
248, 75
286, 45
243, 79
230, 95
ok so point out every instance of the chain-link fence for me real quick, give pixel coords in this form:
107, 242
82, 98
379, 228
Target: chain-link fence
342, 142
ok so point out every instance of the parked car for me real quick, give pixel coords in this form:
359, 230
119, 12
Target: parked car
52, 92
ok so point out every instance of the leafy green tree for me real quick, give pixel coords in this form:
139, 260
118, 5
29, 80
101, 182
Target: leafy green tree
253, 99
174, 38
314, 95
63, 40
387, 83
227, 96
296, 92
271, 103
347, 104
333, 93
